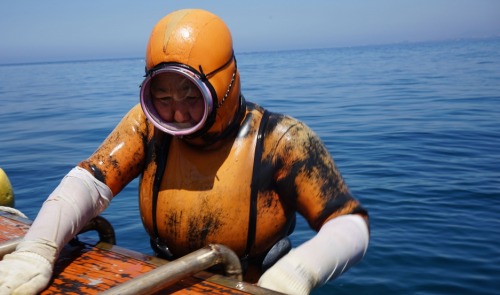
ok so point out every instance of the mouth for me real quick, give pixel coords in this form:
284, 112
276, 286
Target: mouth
183, 125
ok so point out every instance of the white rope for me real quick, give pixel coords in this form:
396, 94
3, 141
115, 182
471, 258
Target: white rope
12, 211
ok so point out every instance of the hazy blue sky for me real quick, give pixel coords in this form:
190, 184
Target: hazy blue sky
53, 30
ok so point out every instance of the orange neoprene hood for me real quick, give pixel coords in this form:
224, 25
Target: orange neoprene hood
192, 37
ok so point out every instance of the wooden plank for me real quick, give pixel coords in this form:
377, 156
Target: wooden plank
12, 226
83, 269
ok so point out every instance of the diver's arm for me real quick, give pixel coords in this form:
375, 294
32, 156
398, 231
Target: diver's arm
341, 243
78, 198
310, 181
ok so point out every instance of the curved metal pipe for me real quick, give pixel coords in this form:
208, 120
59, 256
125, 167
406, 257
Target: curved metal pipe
168, 274
103, 227
100, 224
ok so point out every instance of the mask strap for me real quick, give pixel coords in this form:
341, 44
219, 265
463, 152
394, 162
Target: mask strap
204, 77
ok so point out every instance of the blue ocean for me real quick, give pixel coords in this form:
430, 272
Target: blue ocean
413, 127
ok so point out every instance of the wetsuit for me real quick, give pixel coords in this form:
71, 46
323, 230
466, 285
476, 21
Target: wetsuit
204, 194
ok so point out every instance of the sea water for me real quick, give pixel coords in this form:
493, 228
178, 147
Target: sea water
413, 128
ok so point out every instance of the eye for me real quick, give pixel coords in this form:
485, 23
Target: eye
164, 99
191, 100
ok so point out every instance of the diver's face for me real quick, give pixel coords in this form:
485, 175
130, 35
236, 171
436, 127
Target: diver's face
177, 100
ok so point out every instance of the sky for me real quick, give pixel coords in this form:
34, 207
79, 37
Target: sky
60, 30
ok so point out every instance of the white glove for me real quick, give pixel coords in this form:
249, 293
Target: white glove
340, 244
78, 198
28, 270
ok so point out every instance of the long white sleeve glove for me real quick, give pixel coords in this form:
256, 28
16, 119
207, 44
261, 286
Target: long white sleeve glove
340, 244
78, 198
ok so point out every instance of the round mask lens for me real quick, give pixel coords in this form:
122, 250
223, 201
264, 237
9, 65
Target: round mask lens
175, 100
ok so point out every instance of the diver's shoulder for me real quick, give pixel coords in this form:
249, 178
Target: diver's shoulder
273, 117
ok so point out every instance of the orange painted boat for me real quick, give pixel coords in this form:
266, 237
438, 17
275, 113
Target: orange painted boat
86, 267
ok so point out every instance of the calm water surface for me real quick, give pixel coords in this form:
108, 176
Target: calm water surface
414, 129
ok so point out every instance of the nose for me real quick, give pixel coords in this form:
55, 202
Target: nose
181, 113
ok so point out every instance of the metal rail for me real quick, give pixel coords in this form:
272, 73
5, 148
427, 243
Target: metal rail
100, 224
168, 274
103, 228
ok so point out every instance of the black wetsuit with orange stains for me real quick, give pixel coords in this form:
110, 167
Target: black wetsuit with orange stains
252, 181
